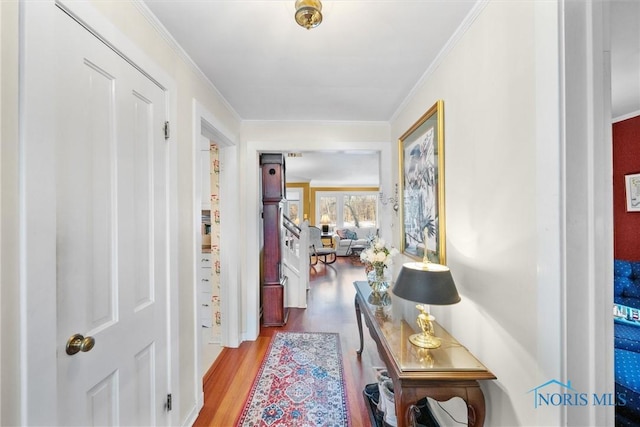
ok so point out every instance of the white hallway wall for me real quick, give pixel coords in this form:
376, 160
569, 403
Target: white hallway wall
487, 83
509, 240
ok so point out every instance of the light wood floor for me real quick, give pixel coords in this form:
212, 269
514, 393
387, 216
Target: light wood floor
330, 309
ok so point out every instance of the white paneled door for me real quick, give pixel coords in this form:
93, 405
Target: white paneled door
112, 217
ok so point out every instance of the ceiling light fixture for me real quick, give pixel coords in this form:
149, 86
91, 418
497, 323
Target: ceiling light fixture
308, 13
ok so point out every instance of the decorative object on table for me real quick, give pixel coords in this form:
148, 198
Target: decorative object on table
423, 356
300, 382
325, 221
382, 302
379, 299
308, 13
421, 154
632, 185
426, 283
377, 257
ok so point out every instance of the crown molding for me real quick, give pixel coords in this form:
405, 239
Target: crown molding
182, 54
625, 116
448, 47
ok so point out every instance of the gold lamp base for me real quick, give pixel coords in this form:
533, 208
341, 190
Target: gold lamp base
427, 338
423, 340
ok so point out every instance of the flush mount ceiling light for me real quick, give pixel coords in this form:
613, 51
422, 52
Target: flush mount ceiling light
308, 13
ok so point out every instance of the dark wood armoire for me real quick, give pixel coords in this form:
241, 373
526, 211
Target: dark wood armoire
274, 312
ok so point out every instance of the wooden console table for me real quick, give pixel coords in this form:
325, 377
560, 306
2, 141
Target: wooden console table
441, 374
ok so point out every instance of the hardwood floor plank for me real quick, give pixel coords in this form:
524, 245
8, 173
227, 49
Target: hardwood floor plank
330, 308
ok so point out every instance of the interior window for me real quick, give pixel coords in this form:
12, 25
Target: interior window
359, 210
347, 209
327, 214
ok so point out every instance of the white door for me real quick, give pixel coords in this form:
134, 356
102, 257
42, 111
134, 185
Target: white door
112, 210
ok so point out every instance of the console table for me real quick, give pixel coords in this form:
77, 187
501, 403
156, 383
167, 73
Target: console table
441, 374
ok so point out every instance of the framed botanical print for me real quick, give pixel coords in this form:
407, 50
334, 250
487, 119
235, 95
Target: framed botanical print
421, 154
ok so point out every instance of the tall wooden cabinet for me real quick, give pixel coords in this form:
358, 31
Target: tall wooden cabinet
274, 312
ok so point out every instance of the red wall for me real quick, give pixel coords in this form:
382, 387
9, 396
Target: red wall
626, 160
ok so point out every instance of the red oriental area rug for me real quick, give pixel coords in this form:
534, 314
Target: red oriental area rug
300, 383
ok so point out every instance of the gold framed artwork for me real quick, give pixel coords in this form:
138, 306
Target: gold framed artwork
421, 154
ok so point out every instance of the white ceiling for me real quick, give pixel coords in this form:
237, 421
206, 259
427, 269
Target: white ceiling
358, 65
335, 168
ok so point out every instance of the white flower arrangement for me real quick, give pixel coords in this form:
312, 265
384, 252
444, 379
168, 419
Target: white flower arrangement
378, 256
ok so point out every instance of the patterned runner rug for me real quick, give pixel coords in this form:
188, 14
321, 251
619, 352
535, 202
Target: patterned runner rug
300, 383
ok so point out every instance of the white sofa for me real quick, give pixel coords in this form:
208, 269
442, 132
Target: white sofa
343, 245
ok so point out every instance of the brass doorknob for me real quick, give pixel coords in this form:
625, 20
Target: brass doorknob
79, 343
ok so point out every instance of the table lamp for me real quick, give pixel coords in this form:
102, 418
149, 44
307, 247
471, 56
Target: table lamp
324, 220
426, 283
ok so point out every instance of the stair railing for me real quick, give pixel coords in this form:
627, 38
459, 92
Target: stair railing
295, 259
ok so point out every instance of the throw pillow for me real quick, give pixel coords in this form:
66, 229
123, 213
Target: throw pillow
620, 286
342, 233
351, 235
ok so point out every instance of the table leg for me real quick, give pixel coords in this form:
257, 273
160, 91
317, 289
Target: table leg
475, 406
359, 319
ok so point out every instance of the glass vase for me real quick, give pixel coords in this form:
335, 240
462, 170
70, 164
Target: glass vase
377, 280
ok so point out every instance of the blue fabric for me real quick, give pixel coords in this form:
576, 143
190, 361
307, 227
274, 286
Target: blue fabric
351, 235
622, 268
627, 337
626, 283
635, 270
620, 284
632, 289
628, 384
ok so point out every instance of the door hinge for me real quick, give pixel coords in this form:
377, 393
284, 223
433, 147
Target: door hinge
167, 131
169, 404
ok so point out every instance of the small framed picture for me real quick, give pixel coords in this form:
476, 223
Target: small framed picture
632, 185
